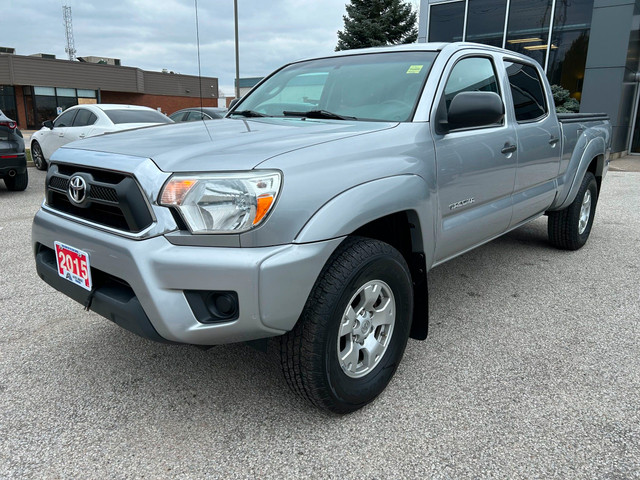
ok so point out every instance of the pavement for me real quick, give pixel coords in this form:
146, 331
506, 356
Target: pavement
531, 370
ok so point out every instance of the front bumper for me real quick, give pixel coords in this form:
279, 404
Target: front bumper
272, 283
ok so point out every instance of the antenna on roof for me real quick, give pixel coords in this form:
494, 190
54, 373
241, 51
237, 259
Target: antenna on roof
68, 30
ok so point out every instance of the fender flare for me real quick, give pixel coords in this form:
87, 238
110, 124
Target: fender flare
596, 148
364, 203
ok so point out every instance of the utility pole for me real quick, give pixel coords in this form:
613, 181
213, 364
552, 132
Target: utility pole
68, 28
235, 14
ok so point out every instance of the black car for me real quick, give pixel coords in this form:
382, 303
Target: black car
13, 162
197, 113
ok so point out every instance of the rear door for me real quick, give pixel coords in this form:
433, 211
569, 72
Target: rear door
539, 145
476, 167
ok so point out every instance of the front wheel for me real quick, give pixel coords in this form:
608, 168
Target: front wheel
37, 156
569, 229
354, 328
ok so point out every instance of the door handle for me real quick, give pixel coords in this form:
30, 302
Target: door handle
82, 135
554, 140
509, 148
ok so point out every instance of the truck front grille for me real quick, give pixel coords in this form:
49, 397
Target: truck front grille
111, 199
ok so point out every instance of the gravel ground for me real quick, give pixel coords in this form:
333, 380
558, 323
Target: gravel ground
531, 370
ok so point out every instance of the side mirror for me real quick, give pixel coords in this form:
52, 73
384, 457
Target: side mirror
475, 109
233, 102
48, 124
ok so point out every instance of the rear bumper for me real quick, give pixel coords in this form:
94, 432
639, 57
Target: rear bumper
16, 162
272, 283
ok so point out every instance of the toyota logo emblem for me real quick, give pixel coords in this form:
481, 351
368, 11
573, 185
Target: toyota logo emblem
77, 189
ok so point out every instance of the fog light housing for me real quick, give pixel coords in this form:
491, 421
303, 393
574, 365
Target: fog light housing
213, 306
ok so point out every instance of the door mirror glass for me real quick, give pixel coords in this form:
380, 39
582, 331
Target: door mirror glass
48, 124
233, 102
475, 109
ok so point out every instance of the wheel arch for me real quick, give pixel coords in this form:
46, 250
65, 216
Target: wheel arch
395, 210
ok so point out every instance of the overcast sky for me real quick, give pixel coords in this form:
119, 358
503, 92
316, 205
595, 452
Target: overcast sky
157, 34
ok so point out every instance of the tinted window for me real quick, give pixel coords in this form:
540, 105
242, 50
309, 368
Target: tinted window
526, 90
528, 30
569, 42
136, 116
65, 120
470, 75
194, 116
179, 116
84, 118
485, 21
446, 21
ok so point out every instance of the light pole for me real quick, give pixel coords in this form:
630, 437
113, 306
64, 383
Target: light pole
235, 14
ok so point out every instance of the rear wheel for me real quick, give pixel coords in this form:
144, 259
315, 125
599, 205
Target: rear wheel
353, 331
569, 229
18, 182
37, 156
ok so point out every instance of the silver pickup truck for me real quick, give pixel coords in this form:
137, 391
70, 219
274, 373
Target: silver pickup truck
314, 211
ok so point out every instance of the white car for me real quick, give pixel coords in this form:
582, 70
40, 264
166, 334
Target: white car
82, 121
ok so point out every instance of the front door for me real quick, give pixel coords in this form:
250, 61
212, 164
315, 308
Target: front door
476, 167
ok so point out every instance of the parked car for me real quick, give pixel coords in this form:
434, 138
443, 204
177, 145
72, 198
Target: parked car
315, 210
13, 162
197, 113
82, 121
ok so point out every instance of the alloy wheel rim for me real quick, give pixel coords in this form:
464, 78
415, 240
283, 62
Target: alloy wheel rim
585, 212
36, 154
366, 328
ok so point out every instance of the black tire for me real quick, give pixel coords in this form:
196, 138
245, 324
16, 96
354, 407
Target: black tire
309, 353
564, 225
37, 156
17, 183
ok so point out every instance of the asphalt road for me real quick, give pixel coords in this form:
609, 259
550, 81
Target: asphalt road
531, 370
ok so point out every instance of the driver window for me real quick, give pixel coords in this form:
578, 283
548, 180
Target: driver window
473, 74
65, 120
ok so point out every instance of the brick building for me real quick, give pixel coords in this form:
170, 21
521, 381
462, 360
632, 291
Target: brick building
34, 88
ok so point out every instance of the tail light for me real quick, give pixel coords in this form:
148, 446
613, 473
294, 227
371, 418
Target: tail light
10, 125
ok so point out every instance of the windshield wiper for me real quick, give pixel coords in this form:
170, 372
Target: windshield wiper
249, 113
318, 114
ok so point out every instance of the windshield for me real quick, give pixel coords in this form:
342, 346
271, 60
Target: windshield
136, 116
380, 86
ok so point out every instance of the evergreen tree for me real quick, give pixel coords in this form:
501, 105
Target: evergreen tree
375, 23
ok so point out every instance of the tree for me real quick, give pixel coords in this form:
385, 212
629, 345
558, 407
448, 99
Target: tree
375, 23
564, 102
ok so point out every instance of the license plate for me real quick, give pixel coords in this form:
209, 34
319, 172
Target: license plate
73, 265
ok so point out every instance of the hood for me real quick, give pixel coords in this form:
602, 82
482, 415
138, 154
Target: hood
227, 144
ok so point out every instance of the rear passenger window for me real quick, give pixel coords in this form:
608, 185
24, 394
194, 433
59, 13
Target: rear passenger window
527, 92
84, 118
471, 75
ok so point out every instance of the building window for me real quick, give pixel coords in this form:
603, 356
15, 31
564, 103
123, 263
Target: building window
485, 22
46, 101
570, 34
528, 28
446, 21
8, 102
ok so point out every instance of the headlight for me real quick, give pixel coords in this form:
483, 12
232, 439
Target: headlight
222, 202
